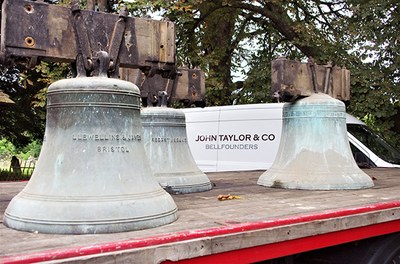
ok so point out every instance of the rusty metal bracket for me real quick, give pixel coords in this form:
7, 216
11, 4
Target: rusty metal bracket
116, 42
311, 64
84, 60
293, 79
188, 87
328, 69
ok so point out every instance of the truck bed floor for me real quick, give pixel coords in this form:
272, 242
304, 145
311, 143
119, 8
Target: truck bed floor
206, 226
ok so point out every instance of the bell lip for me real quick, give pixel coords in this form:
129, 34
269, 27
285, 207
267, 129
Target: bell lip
128, 218
275, 178
186, 189
92, 227
183, 182
319, 188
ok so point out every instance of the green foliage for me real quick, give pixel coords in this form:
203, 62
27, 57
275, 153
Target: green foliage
9, 175
31, 150
21, 121
375, 64
226, 38
6, 148
48, 73
216, 94
24, 121
356, 34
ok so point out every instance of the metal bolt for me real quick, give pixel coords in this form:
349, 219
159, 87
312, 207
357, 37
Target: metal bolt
29, 41
28, 8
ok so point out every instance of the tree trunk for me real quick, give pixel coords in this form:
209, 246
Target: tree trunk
218, 34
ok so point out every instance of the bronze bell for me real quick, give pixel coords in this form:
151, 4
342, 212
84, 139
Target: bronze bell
166, 145
92, 175
314, 152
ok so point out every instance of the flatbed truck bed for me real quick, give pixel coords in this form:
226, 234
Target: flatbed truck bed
264, 223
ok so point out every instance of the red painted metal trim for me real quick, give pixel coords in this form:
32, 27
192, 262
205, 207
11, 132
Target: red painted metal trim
64, 253
290, 247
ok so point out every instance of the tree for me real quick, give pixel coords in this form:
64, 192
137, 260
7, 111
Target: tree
224, 36
375, 81
217, 36
228, 37
24, 121
20, 122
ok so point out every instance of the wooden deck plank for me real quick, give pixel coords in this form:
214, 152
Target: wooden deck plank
203, 211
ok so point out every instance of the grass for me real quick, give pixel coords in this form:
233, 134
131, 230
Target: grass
9, 175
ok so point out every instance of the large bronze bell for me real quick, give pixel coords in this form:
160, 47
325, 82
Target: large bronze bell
314, 151
93, 175
166, 146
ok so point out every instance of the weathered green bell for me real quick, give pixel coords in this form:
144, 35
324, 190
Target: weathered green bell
92, 175
314, 151
166, 145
